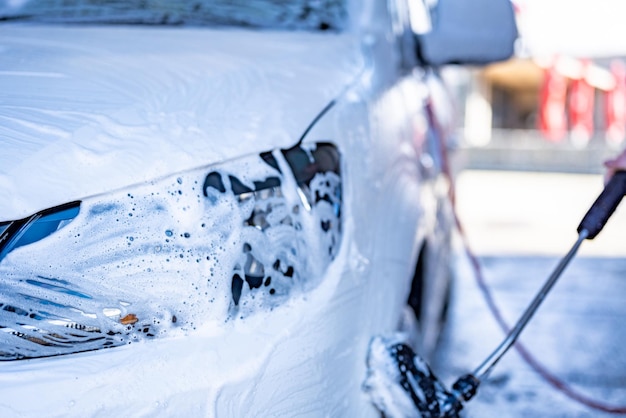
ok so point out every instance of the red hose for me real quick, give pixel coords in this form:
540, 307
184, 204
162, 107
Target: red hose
531, 360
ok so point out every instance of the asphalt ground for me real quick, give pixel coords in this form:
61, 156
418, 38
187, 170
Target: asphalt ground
519, 225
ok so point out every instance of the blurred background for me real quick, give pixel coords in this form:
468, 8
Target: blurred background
560, 103
532, 134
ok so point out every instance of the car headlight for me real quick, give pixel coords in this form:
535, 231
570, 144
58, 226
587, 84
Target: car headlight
204, 246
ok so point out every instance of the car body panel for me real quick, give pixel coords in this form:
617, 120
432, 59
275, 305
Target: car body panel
306, 356
165, 97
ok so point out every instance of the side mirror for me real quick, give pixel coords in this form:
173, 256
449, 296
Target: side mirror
469, 32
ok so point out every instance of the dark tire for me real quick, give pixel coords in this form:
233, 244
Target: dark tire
416, 296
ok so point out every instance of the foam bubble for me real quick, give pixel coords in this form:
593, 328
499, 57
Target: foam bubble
163, 257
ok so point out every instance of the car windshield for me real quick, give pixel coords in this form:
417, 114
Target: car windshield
277, 14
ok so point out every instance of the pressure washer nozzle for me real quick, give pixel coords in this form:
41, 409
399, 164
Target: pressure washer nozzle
604, 206
465, 387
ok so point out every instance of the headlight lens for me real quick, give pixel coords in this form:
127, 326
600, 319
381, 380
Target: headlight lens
208, 245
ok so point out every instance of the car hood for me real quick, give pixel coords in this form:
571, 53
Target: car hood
86, 110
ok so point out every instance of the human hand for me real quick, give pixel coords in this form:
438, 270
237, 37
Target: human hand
616, 164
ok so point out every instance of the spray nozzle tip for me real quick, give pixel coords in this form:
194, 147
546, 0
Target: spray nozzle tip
465, 387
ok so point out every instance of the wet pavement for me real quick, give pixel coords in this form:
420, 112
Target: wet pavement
519, 225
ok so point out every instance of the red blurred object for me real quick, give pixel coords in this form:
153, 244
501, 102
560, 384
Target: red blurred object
615, 105
552, 123
581, 101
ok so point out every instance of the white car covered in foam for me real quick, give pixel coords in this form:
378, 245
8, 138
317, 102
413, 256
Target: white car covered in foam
209, 208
